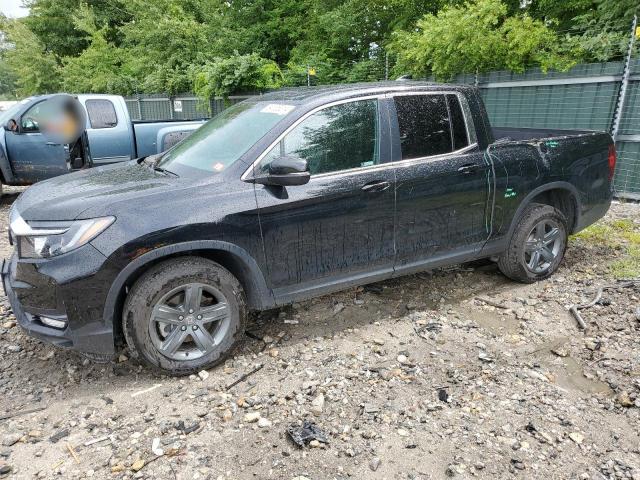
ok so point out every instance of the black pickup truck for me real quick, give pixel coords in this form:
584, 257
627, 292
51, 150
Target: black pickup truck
286, 196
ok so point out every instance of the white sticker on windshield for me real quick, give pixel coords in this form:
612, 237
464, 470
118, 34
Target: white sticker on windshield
277, 108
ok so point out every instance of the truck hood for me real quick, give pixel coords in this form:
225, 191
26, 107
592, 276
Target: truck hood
67, 196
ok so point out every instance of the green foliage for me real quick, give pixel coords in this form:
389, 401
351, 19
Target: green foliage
219, 47
239, 73
477, 37
34, 68
101, 67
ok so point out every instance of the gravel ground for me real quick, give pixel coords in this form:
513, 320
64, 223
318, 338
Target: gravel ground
413, 378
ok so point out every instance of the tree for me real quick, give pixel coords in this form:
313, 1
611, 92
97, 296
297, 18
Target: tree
34, 69
239, 73
101, 67
477, 36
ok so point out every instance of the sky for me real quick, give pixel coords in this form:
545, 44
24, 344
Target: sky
13, 8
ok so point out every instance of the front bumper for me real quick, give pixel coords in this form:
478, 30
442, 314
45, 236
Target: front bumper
70, 288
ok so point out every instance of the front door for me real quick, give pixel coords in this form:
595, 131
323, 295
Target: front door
33, 156
340, 226
443, 181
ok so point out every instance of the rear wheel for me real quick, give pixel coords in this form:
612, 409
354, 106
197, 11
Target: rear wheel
537, 246
184, 315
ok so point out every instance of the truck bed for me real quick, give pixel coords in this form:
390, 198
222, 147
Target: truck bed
155, 137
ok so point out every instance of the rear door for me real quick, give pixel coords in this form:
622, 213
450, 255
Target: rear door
339, 227
34, 157
443, 180
109, 131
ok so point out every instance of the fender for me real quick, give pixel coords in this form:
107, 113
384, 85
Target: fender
259, 296
560, 185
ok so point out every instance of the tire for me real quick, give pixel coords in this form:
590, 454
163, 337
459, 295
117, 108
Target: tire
160, 329
519, 261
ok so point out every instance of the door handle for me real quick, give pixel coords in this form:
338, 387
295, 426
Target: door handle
377, 186
53, 144
470, 168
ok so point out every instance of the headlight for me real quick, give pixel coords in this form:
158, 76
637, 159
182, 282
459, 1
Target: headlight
48, 239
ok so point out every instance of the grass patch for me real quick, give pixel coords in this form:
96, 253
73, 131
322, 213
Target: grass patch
628, 267
618, 234
598, 234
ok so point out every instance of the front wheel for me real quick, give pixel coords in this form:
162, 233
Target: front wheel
537, 245
184, 315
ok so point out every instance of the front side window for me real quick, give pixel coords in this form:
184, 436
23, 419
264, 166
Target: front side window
424, 125
333, 139
102, 114
30, 121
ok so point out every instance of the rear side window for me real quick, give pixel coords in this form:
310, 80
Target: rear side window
102, 114
424, 125
458, 127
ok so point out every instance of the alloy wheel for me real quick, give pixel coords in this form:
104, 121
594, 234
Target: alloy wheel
542, 246
189, 321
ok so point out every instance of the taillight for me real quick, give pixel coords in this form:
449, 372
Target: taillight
612, 160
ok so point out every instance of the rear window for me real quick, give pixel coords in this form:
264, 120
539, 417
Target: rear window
424, 125
102, 114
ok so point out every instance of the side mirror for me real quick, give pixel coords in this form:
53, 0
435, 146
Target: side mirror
286, 171
11, 125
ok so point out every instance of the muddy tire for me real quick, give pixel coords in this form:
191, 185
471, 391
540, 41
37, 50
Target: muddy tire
184, 315
537, 245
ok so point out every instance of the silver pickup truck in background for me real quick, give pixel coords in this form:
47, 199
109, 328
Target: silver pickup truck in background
28, 156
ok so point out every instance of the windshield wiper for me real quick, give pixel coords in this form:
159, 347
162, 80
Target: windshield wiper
152, 162
164, 171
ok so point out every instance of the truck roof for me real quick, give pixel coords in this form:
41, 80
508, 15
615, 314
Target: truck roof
305, 94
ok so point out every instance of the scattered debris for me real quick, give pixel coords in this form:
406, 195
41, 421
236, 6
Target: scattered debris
245, 376
374, 463
303, 435
138, 465
577, 437
96, 440
251, 417
443, 396
574, 308
155, 447
19, 413
59, 435
146, 390
73, 453
493, 303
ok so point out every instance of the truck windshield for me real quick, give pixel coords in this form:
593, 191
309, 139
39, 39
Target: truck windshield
225, 138
10, 113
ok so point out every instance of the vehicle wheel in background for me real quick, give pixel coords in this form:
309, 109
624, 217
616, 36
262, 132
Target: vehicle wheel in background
184, 315
537, 245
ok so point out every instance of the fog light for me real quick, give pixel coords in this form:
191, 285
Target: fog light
53, 322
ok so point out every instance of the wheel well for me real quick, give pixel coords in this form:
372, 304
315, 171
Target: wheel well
561, 199
226, 259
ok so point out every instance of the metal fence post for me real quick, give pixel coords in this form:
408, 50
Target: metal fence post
617, 116
139, 104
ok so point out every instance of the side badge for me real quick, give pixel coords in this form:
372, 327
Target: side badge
510, 193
